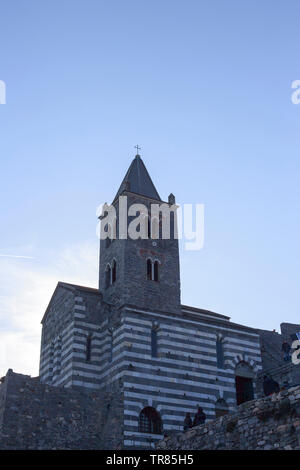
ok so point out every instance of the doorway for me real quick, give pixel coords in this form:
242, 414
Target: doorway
244, 383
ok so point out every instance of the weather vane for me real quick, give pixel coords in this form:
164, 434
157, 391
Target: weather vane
137, 149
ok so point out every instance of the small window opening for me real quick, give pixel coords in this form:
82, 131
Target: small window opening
220, 354
88, 348
152, 270
107, 276
154, 342
155, 277
149, 269
114, 271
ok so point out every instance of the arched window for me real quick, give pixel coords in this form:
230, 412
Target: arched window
107, 230
149, 269
110, 229
221, 408
152, 270
114, 271
220, 354
150, 421
155, 274
107, 276
154, 342
88, 348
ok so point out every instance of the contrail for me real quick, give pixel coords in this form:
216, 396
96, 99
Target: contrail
16, 256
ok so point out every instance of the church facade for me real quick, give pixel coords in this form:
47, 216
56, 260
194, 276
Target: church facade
132, 333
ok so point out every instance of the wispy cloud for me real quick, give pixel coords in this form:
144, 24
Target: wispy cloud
24, 295
16, 256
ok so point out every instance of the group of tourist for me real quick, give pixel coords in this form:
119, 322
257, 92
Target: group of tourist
199, 418
269, 385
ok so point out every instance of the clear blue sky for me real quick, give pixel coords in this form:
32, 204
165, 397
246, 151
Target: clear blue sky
205, 88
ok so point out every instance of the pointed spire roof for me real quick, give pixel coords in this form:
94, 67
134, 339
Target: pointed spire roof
137, 180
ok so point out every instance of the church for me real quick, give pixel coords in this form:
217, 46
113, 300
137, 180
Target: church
132, 338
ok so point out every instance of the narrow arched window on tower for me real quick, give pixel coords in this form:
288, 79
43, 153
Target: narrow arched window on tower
149, 269
88, 348
107, 229
114, 271
107, 276
155, 274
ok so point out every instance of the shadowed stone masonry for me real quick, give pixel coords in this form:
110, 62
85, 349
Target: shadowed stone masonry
284, 372
34, 415
266, 424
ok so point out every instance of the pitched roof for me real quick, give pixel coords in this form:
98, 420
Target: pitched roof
71, 287
201, 311
137, 180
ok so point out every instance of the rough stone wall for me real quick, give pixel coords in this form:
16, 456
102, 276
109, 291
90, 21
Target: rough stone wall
288, 331
40, 416
274, 365
2, 400
287, 374
271, 343
266, 424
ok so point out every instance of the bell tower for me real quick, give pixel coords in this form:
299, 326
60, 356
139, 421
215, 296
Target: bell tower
140, 270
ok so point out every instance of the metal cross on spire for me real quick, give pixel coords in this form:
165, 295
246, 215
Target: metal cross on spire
137, 149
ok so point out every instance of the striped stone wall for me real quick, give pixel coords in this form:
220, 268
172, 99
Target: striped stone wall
183, 376
72, 315
185, 373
